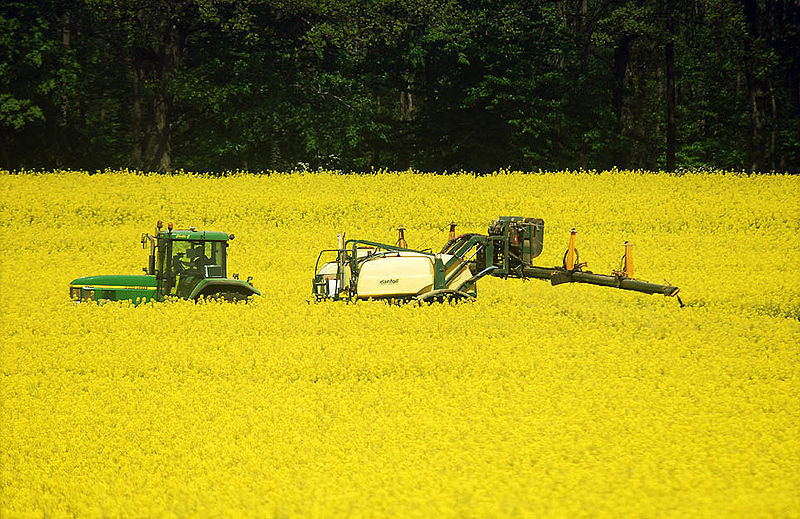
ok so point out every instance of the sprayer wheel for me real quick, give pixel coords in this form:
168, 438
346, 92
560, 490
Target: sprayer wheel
444, 295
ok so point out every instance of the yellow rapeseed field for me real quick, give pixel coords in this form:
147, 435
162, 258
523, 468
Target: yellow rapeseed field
533, 401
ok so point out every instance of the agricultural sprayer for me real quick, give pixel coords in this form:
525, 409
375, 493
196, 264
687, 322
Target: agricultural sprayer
187, 264
361, 269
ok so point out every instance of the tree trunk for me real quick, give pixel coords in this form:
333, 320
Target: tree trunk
757, 123
585, 53
755, 86
65, 40
773, 127
669, 54
169, 58
137, 77
407, 107
622, 57
275, 156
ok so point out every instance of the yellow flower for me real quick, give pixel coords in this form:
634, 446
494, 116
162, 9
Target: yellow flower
533, 401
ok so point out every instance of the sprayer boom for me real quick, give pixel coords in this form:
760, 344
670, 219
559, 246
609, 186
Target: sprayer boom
364, 269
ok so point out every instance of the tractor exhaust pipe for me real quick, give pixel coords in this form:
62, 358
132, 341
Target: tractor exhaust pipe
151, 260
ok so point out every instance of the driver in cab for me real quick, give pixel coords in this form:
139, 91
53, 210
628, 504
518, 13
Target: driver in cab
192, 262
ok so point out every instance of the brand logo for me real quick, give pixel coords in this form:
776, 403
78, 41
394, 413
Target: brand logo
389, 281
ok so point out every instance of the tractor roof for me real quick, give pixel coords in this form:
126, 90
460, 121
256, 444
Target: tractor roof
188, 234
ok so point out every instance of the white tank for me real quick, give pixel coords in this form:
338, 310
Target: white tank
393, 274
403, 274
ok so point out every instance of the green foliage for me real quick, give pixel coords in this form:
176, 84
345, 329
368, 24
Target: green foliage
478, 85
38, 83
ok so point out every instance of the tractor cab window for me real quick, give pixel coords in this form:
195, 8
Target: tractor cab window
195, 259
214, 259
187, 258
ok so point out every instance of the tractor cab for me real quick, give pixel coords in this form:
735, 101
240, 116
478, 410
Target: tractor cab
185, 258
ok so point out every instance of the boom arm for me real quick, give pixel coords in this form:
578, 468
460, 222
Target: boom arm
512, 243
558, 276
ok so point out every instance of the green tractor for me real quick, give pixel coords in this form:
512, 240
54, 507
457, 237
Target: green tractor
187, 264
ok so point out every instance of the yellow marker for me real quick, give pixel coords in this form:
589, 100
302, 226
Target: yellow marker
401, 238
628, 259
570, 261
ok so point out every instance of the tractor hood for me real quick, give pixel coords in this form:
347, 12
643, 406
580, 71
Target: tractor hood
114, 288
123, 281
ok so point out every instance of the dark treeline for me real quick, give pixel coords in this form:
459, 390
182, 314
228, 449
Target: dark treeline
213, 85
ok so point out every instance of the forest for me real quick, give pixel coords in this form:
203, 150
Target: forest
355, 85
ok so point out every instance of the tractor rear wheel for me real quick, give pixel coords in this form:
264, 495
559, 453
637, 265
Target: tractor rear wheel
229, 296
